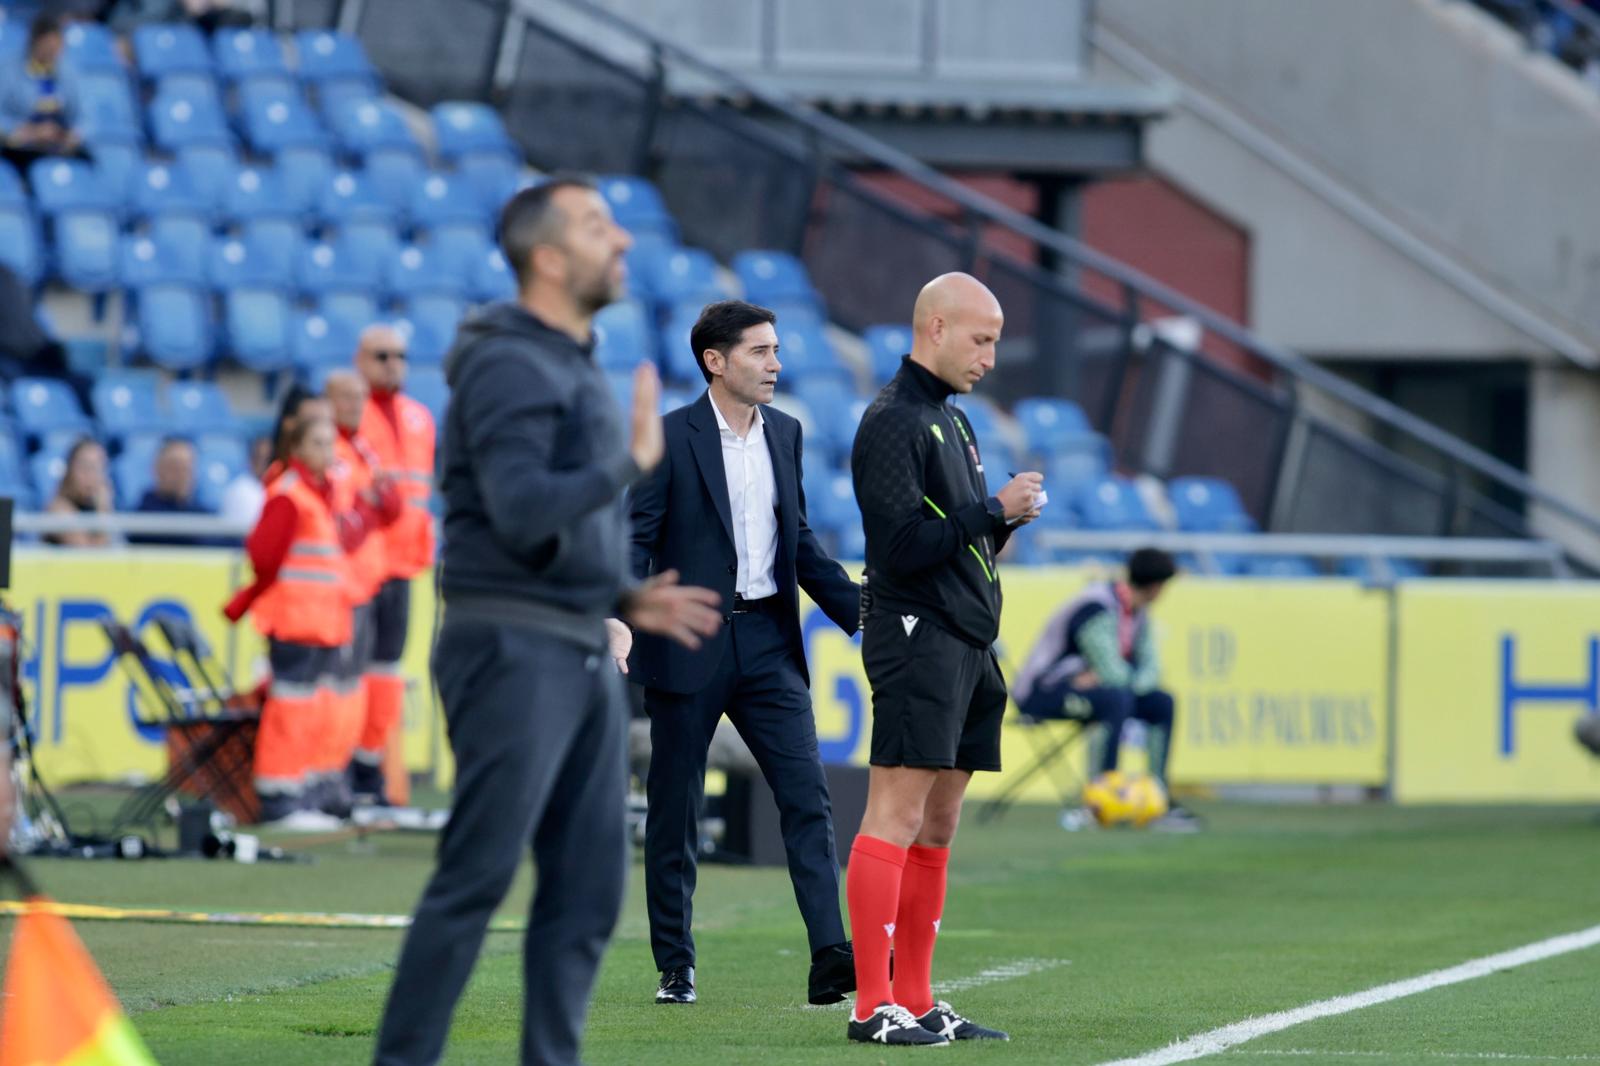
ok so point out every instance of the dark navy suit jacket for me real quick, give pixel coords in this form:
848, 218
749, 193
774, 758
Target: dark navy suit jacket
682, 521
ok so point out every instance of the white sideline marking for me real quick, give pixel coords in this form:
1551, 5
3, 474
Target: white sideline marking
1222, 1039
994, 974
1495, 1056
1003, 972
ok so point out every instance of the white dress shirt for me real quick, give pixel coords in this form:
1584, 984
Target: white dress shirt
752, 504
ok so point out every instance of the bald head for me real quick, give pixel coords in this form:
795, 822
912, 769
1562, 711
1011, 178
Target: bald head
955, 325
347, 392
381, 357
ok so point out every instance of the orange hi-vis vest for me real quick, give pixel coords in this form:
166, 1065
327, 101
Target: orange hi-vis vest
351, 475
405, 453
309, 601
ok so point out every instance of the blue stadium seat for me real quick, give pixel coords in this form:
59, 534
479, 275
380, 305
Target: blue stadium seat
167, 188
320, 341
212, 472
678, 363
416, 271
685, 275
11, 472
1048, 423
493, 177
145, 261
1281, 566
242, 53
774, 277
13, 37
1112, 503
212, 170
458, 249
190, 85
335, 93
257, 323
1208, 505
362, 126
46, 470
621, 382
240, 261
46, 405
373, 245
349, 197
179, 119
395, 174
426, 385
90, 47
12, 191
224, 445
276, 116
128, 403
131, 476
21, 247
885, 346
117, 163
641, 258
175, 329
107, 110
68, 184
334, 267
305, 171
988, 424
329, 56
170, 48
805, 351
833, 506
430, 321
462, 128
637, 206
200, 407
258, 192
623, 335
85, 239
443, 200
493, 280
1084, 463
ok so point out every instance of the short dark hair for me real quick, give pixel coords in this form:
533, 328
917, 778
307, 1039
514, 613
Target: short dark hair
721, 326
1150, 566
530, 219
44, 24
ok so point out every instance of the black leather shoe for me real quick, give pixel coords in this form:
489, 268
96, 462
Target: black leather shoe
833, 974
677, 985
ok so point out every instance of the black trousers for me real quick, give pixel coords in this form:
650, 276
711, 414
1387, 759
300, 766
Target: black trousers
761, 690
538, 728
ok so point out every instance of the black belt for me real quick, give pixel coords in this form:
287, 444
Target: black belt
764, 604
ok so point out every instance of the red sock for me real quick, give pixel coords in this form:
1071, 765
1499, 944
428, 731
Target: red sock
872, 888
916, 926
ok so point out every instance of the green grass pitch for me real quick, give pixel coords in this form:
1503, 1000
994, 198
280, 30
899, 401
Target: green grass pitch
1087, 947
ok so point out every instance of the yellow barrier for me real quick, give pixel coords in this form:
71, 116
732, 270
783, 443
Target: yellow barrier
1491, 677
1276, 681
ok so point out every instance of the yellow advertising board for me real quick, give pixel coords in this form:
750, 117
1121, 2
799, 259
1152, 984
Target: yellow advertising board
1491, 677
1275, 681
82, 705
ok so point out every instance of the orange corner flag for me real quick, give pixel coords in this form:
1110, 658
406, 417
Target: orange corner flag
57, 1009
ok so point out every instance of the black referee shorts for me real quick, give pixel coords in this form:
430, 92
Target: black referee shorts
937, 701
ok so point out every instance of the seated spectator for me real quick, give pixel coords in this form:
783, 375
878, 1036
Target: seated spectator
173, 493
1096, 661
243, 497
84, 489
209, 15
38, 104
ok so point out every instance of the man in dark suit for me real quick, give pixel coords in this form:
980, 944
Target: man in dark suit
725, 510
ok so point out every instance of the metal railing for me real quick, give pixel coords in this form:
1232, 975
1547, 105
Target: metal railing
742, 168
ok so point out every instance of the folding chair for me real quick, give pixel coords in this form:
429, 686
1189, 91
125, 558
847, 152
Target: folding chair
210, 729
1052, 738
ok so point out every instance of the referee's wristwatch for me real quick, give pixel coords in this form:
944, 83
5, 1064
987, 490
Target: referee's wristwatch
996, 509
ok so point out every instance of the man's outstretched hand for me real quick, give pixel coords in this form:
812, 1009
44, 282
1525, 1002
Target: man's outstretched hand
683, 613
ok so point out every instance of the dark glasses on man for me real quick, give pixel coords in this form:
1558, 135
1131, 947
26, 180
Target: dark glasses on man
383, 355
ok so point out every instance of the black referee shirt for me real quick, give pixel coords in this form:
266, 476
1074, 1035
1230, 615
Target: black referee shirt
932, 528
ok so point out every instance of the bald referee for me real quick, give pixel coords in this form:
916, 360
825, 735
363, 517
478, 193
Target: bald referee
933, 531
